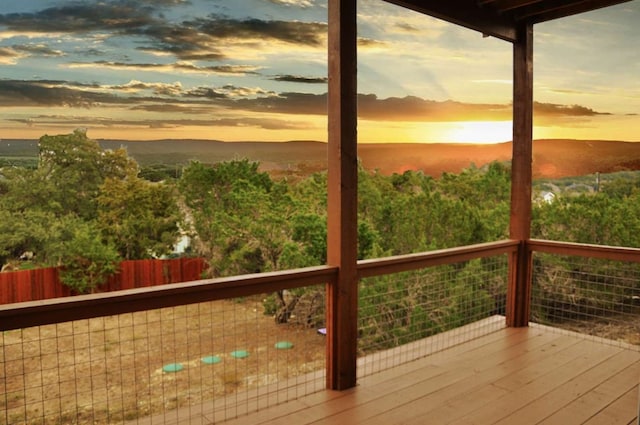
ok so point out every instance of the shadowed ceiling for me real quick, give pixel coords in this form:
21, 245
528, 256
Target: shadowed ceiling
499, 18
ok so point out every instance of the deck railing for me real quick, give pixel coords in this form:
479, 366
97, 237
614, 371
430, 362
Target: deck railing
405, 299
171, 351
161, 354
590, 289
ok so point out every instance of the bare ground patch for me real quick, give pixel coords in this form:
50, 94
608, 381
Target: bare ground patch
621, 330
111, 369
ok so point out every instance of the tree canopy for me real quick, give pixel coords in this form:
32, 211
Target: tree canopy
84, 208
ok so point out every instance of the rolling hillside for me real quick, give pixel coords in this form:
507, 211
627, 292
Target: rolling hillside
552, 158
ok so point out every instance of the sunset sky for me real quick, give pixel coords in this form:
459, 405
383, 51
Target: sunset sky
256, 70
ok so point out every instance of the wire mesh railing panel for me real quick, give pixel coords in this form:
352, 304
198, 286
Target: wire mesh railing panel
400, 314
213, 360
590, 296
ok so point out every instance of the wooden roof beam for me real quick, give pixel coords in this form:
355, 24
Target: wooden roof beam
506, 5
467, 14
549, 10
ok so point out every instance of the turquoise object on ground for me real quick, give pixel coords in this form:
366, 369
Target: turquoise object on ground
211, 359
284, 345
172, 367
239, 354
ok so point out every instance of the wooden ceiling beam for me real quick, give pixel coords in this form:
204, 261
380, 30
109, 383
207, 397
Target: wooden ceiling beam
466, 13
554, 9
507, 5
498, 18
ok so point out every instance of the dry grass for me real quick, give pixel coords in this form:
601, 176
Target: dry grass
616, 329
110, 369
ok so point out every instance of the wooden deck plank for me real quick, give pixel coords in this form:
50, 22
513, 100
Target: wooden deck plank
467, 364
539, 378
462, 393
359, 396
543, 365
622, 411
294, 407
447, 409
380, 384
621, 374
510, 376
482, 392
376, 383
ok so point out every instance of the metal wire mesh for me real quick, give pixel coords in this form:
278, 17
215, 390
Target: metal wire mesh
399, 314
198, 363
594, 297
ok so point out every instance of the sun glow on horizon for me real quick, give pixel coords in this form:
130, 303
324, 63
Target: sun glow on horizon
482, 132
473, 132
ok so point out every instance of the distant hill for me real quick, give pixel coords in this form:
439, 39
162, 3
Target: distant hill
552, 158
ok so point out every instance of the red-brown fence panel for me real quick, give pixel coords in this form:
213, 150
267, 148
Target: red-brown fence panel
51, 286
23, 286
127, 275
192, 268
143, 274
38, 282
44, 283
6, 287
158, 272
175, 270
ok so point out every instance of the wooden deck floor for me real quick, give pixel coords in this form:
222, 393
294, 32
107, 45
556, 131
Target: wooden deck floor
520, 376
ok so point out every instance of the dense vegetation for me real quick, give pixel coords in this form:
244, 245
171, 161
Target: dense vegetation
85, 208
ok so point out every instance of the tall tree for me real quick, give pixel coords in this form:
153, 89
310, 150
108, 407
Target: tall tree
83, 197
138, 217
86, 260
75, 167
238, 215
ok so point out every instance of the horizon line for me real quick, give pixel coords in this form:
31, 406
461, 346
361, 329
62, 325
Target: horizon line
325, 142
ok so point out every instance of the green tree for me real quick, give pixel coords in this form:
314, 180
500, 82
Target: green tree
30, 230
621, 188
26, 190
73, 167
85, 258
80, 201
240, 216
138, 217
70, 242
583, 218
309, 237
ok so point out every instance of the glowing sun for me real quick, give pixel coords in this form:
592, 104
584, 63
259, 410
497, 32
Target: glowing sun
481, 132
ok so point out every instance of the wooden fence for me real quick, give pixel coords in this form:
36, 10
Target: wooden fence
42, 284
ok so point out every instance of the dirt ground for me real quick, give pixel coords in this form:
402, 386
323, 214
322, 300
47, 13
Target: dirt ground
621, 330
117, 368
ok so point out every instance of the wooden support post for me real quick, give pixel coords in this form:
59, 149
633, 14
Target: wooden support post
519, 290
342, 239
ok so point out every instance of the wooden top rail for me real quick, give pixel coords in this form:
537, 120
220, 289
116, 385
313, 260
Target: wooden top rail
401, 263
58, 310
616, 253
